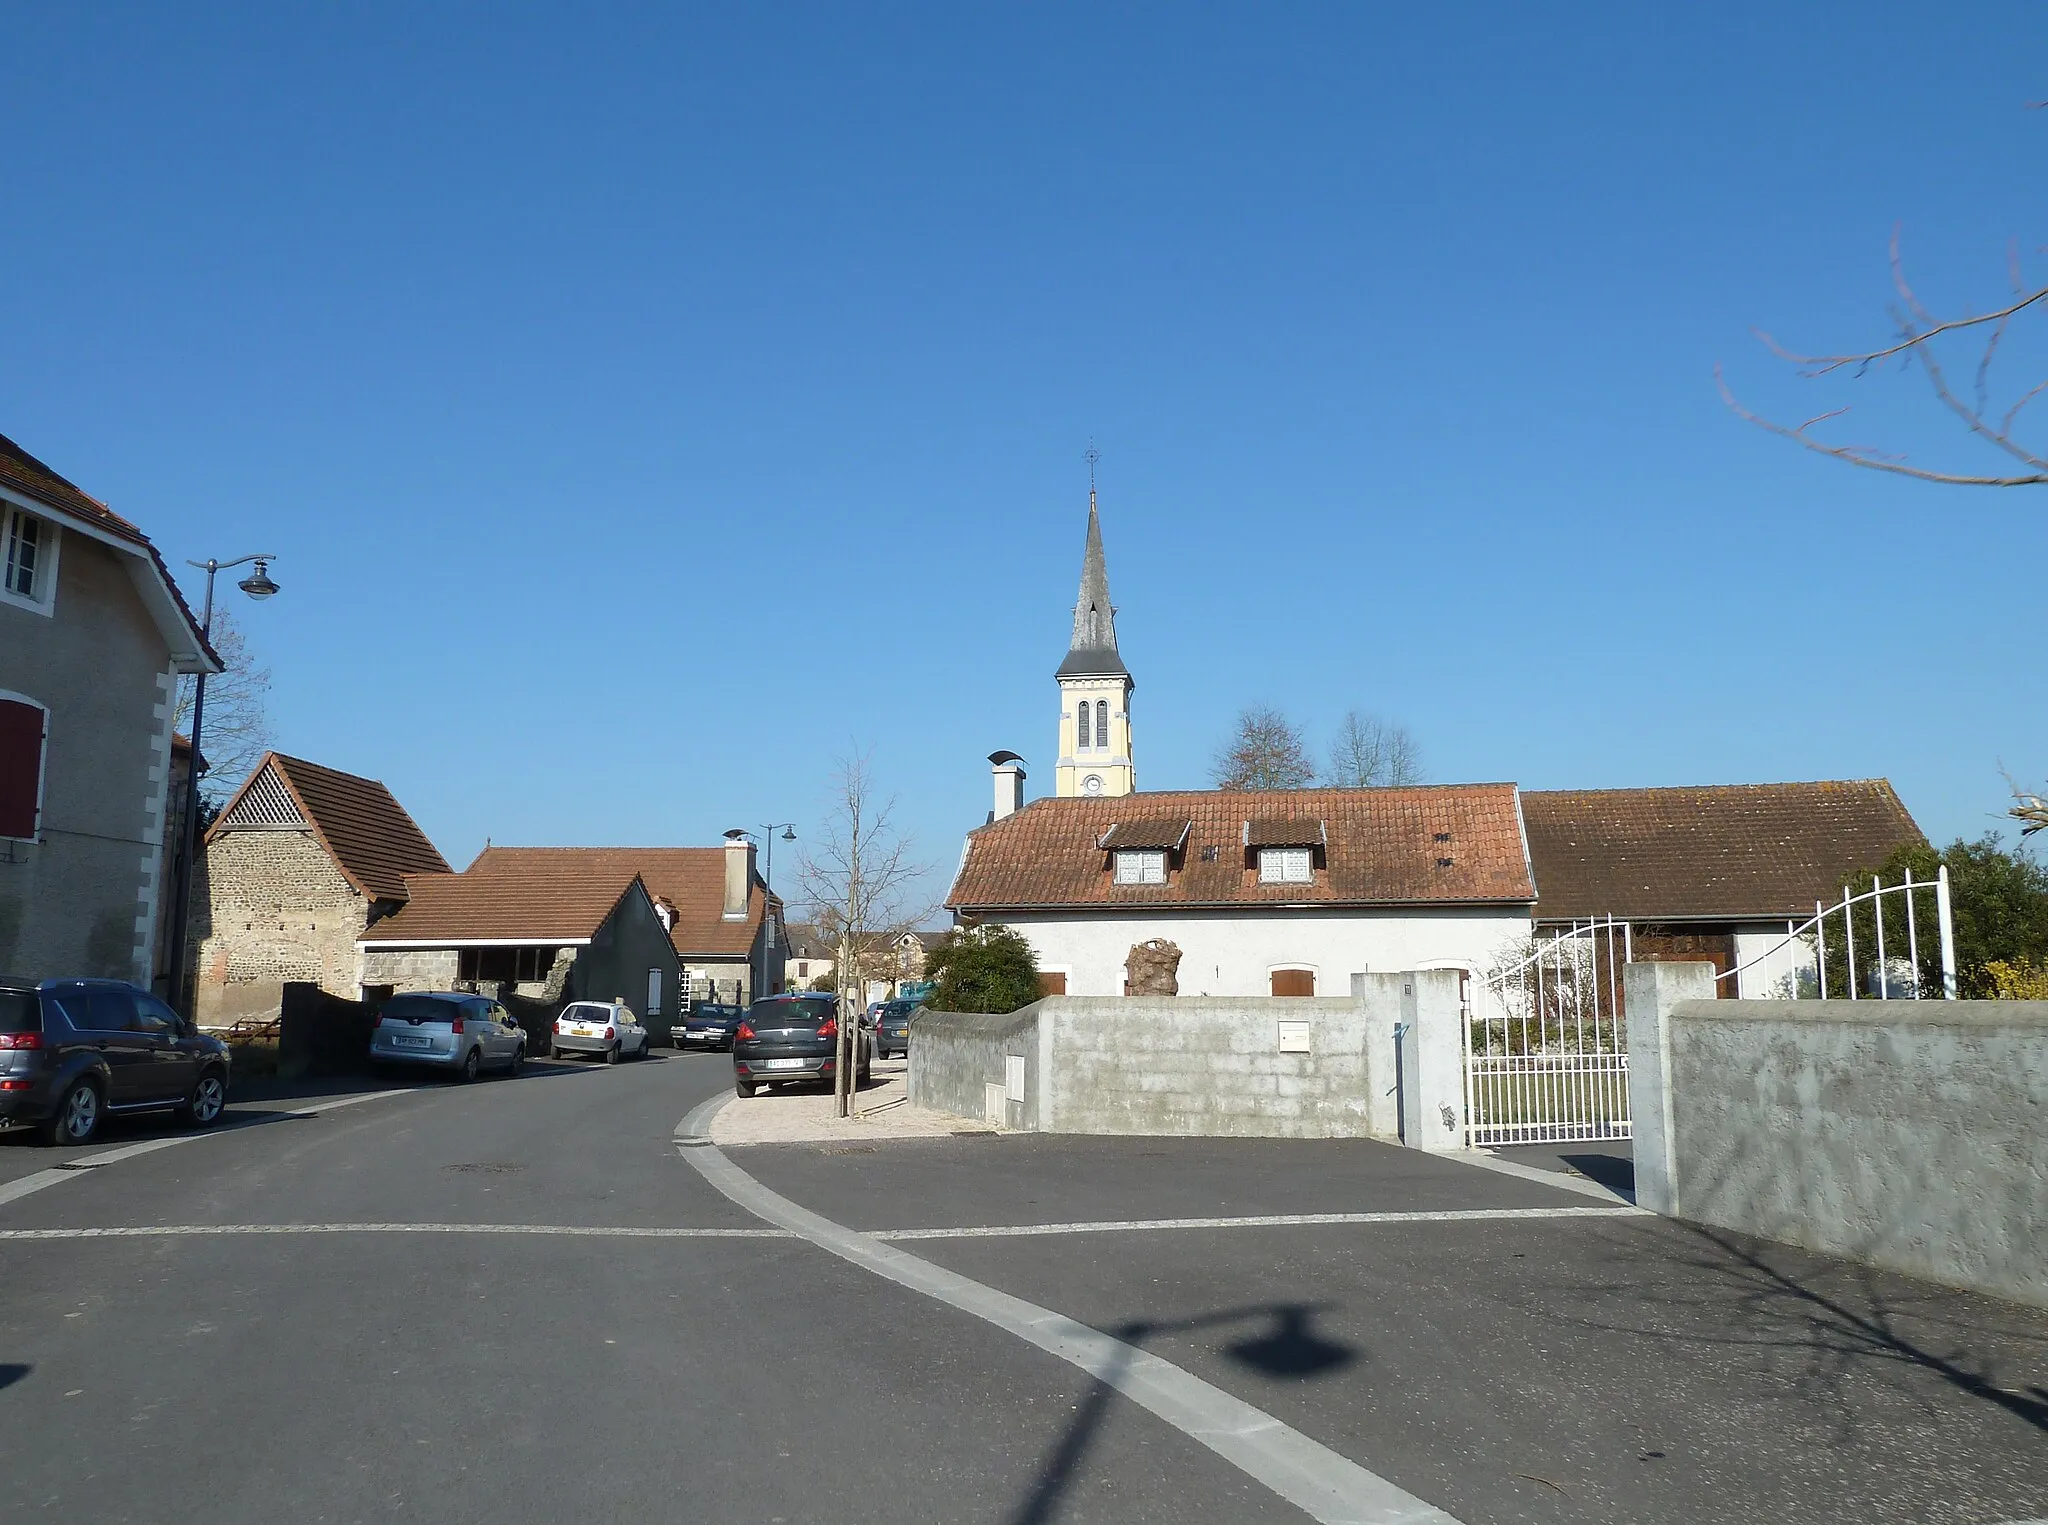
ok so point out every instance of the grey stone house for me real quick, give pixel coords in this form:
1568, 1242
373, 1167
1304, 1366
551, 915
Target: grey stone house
93, 637
535, 930
301, 862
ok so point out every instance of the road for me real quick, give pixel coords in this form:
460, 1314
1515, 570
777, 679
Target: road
529, 1301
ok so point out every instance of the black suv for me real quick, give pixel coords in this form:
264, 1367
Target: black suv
71, 1051
793, 1037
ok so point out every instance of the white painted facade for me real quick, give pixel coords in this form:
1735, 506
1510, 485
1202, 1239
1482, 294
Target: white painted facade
1227, 952
1780, 968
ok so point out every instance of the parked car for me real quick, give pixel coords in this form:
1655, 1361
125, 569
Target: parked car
73, 1051
708, 1027
892, 1028
792, 1037
595, 1027
447, 1030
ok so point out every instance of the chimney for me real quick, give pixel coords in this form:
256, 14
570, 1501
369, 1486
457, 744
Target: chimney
1009, 780
739, 874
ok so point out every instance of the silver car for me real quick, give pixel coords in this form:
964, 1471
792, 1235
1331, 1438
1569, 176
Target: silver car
462, 1034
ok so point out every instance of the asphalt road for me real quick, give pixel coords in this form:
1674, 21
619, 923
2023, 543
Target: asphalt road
626, 1342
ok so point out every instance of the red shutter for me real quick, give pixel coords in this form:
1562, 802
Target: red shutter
21, 767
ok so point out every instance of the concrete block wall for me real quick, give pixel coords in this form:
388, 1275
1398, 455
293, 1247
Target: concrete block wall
1209, 1066
1911, 1135
271, 907
1191, 1066
956, 1056
412, 968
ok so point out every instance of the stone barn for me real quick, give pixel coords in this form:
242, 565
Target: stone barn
302, 861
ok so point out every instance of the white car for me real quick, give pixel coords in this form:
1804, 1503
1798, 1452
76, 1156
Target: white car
595, 1027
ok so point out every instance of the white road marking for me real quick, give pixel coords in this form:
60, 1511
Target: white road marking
1327, 1486
1271, 1220
1554, 1178
230, 1230
29, 1185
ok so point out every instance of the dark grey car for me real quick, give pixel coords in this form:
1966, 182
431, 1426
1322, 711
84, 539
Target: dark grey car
793, 1037
892, 1028
73, 1051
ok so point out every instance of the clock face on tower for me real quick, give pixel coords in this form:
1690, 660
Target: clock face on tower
1092, 784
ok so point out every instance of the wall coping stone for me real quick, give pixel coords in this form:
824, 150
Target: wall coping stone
1871, 1013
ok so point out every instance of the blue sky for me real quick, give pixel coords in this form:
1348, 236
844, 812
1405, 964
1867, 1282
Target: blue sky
651, 405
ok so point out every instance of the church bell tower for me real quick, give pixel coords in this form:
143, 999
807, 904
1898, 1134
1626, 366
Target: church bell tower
1095, 686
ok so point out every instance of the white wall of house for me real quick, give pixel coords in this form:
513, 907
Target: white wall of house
1777, 964
1232, 953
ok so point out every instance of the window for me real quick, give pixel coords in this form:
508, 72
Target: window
1285, 865
1102, 722
1134, 866
654, 992
28, 539
1052, 982
23, 724
1081, 739
153, 1017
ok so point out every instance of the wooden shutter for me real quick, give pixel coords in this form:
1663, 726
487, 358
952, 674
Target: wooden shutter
1052, 984
1294, 982
21, 767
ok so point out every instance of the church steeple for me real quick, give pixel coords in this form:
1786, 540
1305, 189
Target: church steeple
1095, 686
1093, 652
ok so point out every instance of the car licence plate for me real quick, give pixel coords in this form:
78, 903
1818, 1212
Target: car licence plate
406, 1042
582, 1031
782, 1064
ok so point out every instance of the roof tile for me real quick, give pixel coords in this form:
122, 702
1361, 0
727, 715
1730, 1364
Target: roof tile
1720, 852
1447, 844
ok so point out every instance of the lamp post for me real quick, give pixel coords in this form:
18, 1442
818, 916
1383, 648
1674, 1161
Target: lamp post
767, 839
259, 586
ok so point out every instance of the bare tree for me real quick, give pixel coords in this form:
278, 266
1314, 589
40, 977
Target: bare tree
1265, 753
1915, 332
860, 880
1369, 753
237, 714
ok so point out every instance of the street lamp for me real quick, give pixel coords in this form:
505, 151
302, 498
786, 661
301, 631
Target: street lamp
259, 586
767, 839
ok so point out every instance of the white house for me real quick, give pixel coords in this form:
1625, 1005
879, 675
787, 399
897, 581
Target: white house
1264, 893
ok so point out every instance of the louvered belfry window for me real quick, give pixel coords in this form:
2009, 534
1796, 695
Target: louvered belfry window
1102, 722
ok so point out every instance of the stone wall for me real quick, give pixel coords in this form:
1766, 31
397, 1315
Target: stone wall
1911, 1135
270, 907
412, 968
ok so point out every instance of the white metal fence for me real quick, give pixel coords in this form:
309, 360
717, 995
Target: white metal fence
1884, 977
1546, 1051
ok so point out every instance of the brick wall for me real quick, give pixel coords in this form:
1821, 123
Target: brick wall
270, 906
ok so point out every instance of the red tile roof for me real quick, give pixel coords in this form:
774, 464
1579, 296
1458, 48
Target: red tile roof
371, 838
536, 892
1724, 852
559, 903
1448, 844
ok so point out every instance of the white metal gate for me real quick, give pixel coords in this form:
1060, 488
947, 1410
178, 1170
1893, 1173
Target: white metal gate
1546, 1050
1546, 1042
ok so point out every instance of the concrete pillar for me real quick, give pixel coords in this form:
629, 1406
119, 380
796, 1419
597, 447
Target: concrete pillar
1379, 1000
1650, 991
1429, 1053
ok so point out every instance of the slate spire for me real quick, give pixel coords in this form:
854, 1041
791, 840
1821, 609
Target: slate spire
1093, 653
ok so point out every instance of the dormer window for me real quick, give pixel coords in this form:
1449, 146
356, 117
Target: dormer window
1141, 866
1286, 865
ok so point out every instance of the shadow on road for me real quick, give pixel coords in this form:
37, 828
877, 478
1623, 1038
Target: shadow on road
1616, 1172
1287, 1347
12, 1372
1849, 1323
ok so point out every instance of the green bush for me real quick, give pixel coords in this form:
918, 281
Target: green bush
1999, 901
982, 969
